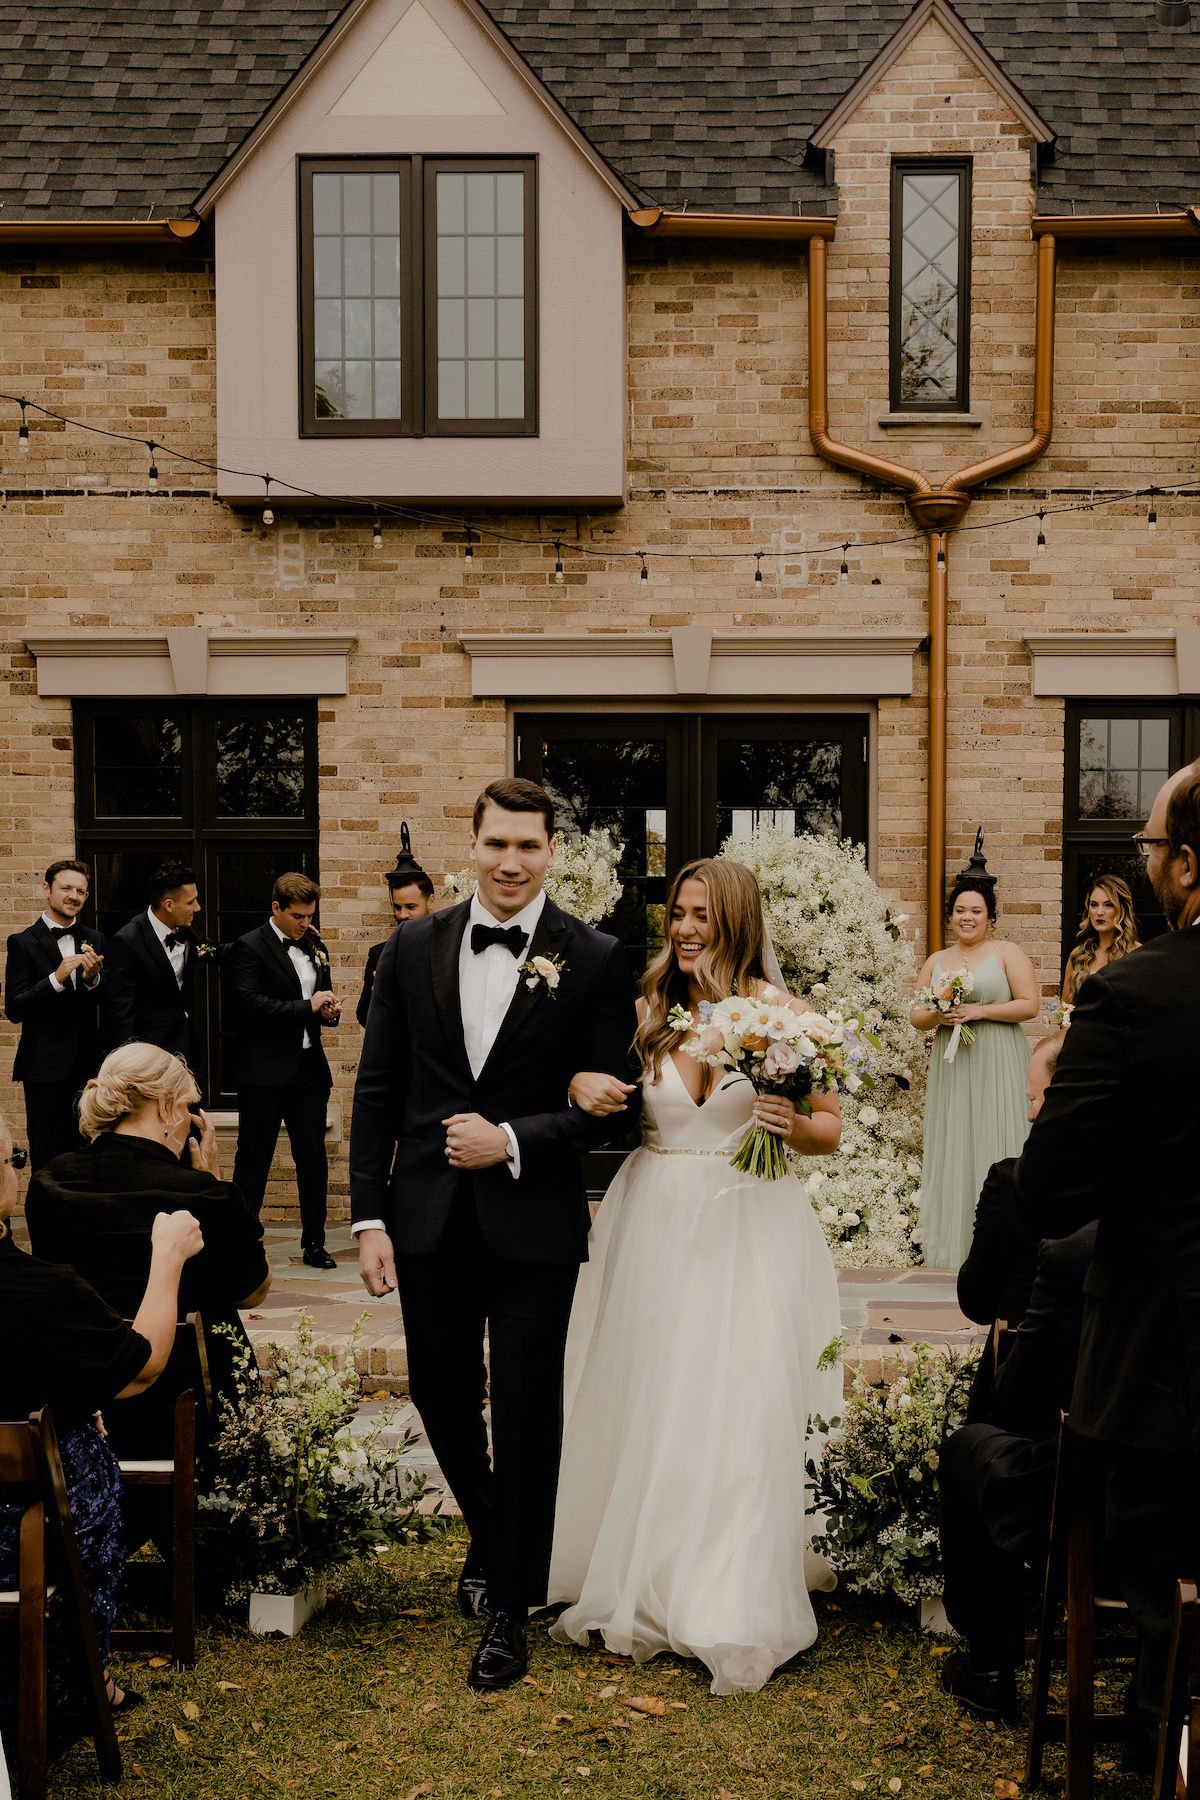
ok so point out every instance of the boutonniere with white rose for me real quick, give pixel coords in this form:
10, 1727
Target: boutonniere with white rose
203, 949
320, 959
543, 972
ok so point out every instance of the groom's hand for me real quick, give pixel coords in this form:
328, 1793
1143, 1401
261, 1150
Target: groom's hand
376, 1262
472, 1142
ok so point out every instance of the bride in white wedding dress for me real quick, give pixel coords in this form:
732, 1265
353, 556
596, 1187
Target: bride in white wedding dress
695, 1343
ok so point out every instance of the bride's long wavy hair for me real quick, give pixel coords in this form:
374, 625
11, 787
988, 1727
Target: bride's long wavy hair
734, 959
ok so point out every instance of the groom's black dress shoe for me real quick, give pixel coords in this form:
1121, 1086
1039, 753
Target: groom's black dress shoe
472, 1588
502, 1657
989, 1694
319, 1258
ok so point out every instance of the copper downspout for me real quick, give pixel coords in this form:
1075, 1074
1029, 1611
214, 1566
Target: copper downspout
937, 511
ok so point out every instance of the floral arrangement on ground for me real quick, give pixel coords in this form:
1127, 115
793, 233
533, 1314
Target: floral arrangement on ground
297, 1490
583, 878
875, 1489
841, 944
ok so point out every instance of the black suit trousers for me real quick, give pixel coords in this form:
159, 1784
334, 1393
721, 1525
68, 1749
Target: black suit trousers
448, 1298
996, 1490
1153, 1522
301, 1108
51, 1120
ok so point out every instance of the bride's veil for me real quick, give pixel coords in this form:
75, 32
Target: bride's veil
770, 960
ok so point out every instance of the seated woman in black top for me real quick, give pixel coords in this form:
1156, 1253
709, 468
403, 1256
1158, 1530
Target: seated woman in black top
94, 1208
62, 1347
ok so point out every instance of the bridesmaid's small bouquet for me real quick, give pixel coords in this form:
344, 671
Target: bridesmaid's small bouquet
779, 1051
947, 992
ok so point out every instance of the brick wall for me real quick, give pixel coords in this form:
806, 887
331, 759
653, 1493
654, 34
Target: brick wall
719, 458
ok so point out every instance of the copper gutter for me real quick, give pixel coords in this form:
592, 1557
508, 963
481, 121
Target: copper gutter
937, 512
95, 231
1118, 225
655, 221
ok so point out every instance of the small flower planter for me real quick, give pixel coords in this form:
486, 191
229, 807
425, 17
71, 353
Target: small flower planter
933, 1616
285, 1614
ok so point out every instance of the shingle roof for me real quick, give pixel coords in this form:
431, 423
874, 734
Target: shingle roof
130, 109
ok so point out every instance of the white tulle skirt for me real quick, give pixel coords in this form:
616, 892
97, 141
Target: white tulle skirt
692, 1376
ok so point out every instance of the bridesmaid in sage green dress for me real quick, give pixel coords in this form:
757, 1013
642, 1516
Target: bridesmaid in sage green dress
975, 1106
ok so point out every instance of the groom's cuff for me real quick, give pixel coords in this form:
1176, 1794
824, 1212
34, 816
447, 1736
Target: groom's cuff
367, 1225
514, 1152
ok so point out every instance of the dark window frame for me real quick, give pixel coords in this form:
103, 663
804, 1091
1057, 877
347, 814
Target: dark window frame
903, 166
418, 298
199, 834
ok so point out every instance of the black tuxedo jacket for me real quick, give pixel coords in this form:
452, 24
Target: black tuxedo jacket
142, 999
369, 974
1035, 1381
60, 1033
268, 1006
996, 1279
1118, 1139
414, 1073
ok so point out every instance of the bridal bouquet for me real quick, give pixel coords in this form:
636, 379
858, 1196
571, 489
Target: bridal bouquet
779, 1051
947, 992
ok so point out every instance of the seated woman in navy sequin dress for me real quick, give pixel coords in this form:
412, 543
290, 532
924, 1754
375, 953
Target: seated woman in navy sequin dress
61, 1346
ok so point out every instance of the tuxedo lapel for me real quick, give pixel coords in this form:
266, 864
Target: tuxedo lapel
551, 936
46, 942
153, 946
448, 929
280, 953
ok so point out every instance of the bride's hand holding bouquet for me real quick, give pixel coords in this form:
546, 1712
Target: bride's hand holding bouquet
786, 1054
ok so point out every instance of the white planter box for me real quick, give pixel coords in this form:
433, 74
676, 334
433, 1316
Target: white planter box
933, 1616
285, 1613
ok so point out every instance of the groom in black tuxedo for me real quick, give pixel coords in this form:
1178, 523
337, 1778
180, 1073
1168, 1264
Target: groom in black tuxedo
466, 1188
150, 973
1118, 1138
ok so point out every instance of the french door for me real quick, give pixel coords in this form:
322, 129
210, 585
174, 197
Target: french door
674, 786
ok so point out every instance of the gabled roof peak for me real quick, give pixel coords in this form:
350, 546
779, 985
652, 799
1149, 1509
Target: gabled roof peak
941, 12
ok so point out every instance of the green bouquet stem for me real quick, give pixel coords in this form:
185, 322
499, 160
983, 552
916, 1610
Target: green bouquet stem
762, 1153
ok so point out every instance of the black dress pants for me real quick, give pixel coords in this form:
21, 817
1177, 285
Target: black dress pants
996, 1491
1154, 1538
51, 1120
448, 1298
301, 1107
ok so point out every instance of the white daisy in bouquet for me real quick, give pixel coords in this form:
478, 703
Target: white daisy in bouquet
779, 1050
942, 995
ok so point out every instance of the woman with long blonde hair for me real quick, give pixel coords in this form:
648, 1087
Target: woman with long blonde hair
1108, 930
695, 1346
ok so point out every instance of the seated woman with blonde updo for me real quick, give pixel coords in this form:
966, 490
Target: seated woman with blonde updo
148, 1154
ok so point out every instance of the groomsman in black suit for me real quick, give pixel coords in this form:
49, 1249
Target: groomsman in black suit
52, 992
149, 980
411, 893
467, 1190
280, 992
1118, 1138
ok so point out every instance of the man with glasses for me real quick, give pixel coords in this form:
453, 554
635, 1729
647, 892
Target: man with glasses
1118, 1138
52, 991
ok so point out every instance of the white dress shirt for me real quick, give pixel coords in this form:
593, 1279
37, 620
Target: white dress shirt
487, 981
66, 947
177, 954
304, 966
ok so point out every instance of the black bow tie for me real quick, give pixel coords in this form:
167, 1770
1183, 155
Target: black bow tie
510, 937
307, 944
172, 938
60, 931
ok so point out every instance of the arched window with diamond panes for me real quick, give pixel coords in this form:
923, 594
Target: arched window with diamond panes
930, 285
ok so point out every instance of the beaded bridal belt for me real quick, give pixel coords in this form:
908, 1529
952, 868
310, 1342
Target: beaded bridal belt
681, 1150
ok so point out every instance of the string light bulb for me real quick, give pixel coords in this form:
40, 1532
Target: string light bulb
469, 552
844, 570
758, 556
23, 429
152, 473
1152, 514
268, 509
559, 573
645, 575
377, 535
941, 560
1041, 536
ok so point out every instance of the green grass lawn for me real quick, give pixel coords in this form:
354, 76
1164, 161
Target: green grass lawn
371, 1700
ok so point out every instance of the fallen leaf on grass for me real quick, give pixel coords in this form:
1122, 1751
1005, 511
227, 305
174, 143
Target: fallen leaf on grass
181, 1737
426, 1787
895, 1743
583, 1769
859, 1785
890, 1671
190, 1710
606, 1693
679, 1706
159, 1662
430, 1706
1007, 1790
410, 1612
724, 1794
940, 1649
344, 1748
561, 1719
925, 1769
648, 1704
229, 1687
895, 1784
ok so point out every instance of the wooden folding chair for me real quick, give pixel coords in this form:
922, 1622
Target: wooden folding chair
1070, 1583
50, 1573
1177, 1766
155, 1440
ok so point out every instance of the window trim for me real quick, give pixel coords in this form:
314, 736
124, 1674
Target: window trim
418, 298
903, 166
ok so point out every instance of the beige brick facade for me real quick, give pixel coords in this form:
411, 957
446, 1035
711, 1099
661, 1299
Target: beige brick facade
718, 458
